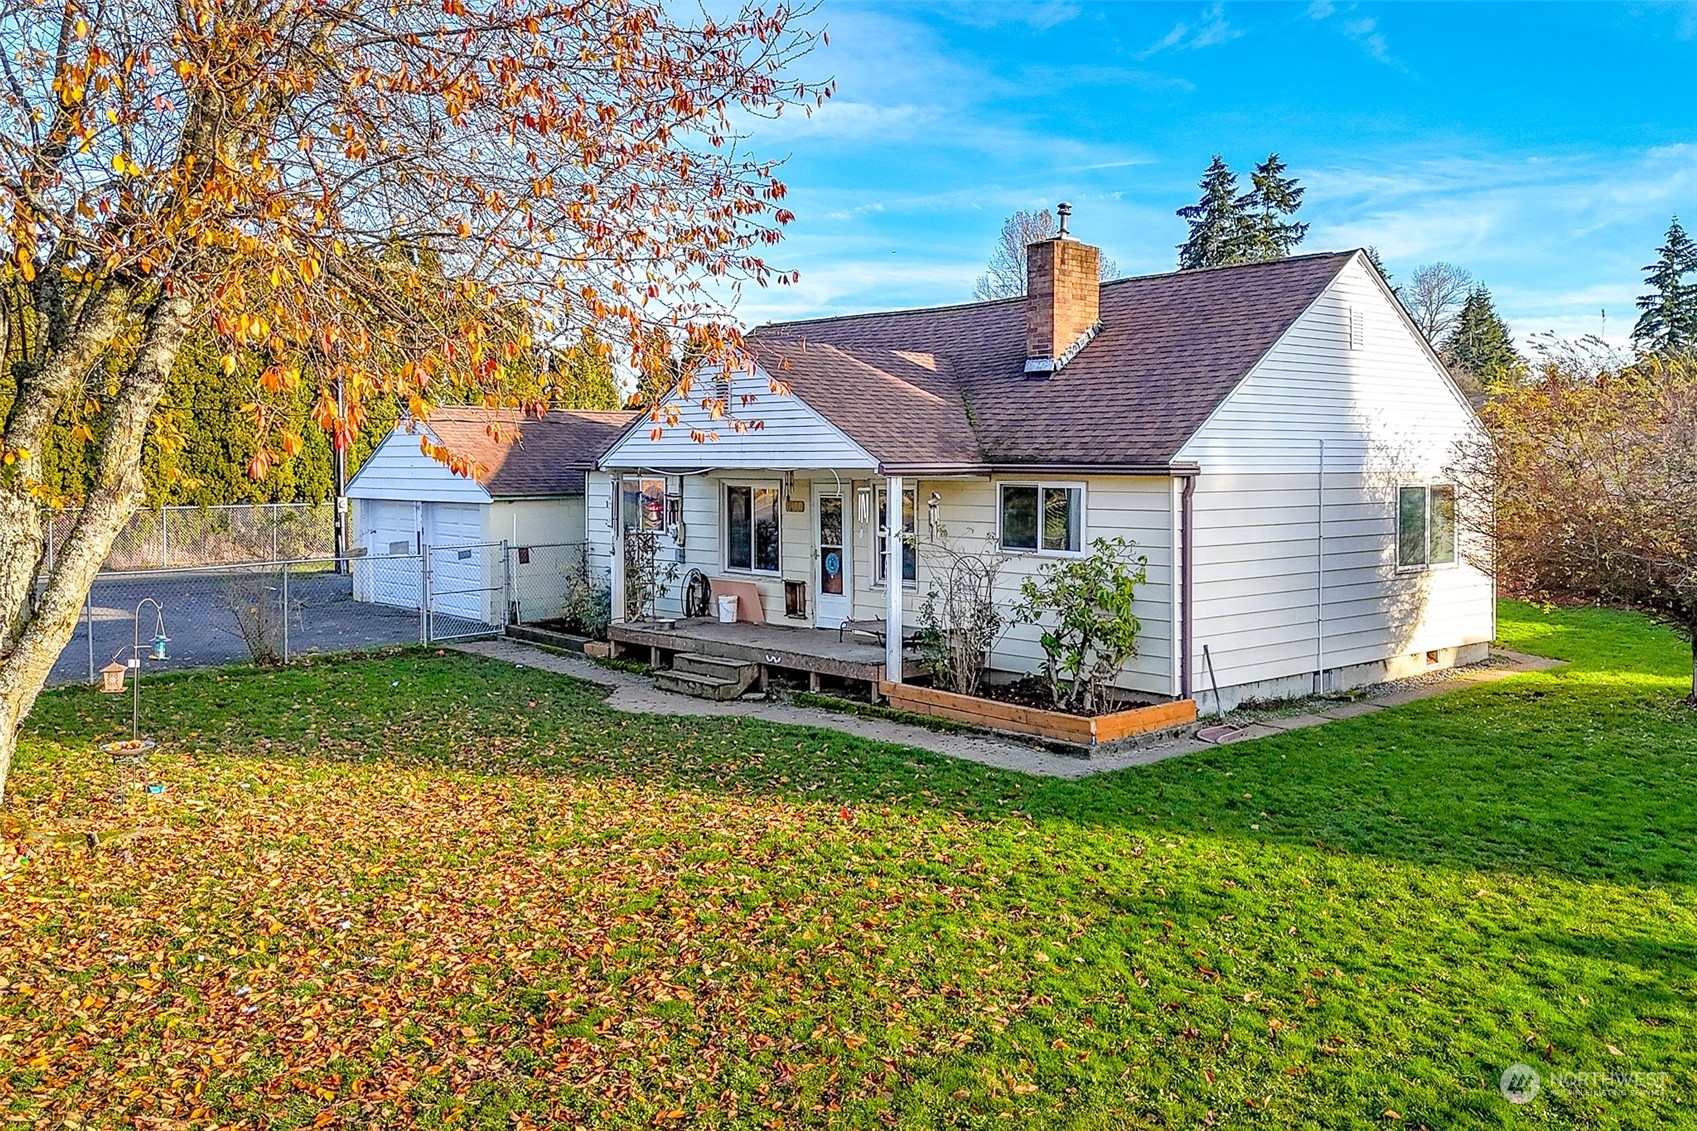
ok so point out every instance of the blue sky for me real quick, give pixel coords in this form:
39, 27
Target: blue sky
1543, 147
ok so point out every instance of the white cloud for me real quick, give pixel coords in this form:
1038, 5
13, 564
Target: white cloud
1211, 30
1557, 238
839, 119
1364, 30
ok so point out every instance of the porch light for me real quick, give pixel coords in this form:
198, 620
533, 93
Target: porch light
933, 513
112, 678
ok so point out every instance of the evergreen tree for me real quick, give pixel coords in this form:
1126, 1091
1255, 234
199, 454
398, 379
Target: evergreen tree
1479, 346
1217, 221
581, 376
1669, 322
1270, 230
1379, 266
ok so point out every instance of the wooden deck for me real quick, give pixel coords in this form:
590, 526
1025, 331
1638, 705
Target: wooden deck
815, 651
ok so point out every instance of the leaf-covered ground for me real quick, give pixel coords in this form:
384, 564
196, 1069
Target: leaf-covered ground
434, 890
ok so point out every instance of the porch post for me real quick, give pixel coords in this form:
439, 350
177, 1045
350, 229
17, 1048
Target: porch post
616, 550
893, 579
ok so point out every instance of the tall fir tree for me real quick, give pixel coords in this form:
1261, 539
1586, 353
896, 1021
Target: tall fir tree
1217, 221
1270, 229
1480, 345
1668, 324
1384, 273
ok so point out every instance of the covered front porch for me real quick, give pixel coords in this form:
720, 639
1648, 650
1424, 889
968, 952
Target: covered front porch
819, 654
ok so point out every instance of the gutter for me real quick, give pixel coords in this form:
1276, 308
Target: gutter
1175, 470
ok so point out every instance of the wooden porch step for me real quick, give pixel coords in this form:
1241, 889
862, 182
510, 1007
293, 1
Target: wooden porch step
707, 677
718, 667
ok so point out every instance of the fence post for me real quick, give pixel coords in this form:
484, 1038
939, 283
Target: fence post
423, 594
164, 537
506, 584
88, 612
273, 531
285, 613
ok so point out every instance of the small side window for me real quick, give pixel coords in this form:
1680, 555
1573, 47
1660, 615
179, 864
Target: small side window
1425, 526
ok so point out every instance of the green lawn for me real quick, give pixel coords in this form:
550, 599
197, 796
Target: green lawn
429, 890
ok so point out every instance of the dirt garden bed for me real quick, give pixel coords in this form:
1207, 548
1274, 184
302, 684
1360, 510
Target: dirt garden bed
1020, 718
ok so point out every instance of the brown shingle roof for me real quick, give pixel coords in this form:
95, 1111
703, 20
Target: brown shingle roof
528, 457
947, 385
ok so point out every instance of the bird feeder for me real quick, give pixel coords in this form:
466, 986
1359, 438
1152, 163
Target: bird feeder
159, 642
112, 678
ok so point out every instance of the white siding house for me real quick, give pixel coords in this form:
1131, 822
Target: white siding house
1256, 431
1298, 586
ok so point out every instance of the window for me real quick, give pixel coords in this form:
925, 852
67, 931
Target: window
642, 504
751, 528
1425, 526
910, 552
1042, 519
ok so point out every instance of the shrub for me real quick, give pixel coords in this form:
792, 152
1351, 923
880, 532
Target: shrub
959, 620
587, 607
1084, 607
257, 607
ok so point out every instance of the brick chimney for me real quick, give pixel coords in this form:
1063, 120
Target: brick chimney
1063, 293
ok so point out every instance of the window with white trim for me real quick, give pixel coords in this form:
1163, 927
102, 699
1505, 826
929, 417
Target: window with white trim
642, 505
910, 551
1042, 518
751, 527
1425, 526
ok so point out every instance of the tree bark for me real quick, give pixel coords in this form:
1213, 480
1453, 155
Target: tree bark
45, 629
39, 397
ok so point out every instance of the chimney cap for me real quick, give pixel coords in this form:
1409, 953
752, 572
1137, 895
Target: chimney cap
1064, 210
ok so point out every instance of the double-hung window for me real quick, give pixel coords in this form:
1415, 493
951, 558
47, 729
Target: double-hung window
910, 552
751, 527
1425, 526
1041, 518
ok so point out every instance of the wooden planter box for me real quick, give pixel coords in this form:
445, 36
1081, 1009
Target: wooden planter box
1055, 725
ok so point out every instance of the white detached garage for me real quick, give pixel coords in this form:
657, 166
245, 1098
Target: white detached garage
417, 527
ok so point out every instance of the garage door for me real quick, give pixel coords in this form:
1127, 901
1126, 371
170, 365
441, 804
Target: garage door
388, 530
459, 563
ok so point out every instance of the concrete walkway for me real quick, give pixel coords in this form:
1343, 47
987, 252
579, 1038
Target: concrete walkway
638, 695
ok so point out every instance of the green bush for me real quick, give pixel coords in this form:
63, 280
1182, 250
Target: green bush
1084, 607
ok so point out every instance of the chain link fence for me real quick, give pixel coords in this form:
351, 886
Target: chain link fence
278, 612
275, 612
187, 537
561, 584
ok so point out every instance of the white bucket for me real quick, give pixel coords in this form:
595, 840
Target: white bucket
728, 609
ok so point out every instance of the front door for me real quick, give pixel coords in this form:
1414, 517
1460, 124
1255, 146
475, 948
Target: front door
832, 583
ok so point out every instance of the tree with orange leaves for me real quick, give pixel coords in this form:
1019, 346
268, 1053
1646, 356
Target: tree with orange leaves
403, 199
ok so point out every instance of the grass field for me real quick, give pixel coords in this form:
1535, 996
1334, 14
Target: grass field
434, 890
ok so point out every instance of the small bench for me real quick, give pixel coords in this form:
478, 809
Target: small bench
876, 627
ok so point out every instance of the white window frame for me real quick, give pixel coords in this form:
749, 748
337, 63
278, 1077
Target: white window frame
619, 502
1077, 485
1426, 562
880, 492
774, 485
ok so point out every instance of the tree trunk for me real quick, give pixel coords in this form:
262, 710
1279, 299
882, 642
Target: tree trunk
45, 627
1692, 630
40, 395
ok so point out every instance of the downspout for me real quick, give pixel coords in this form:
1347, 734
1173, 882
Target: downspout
1187, 605
1320, 572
